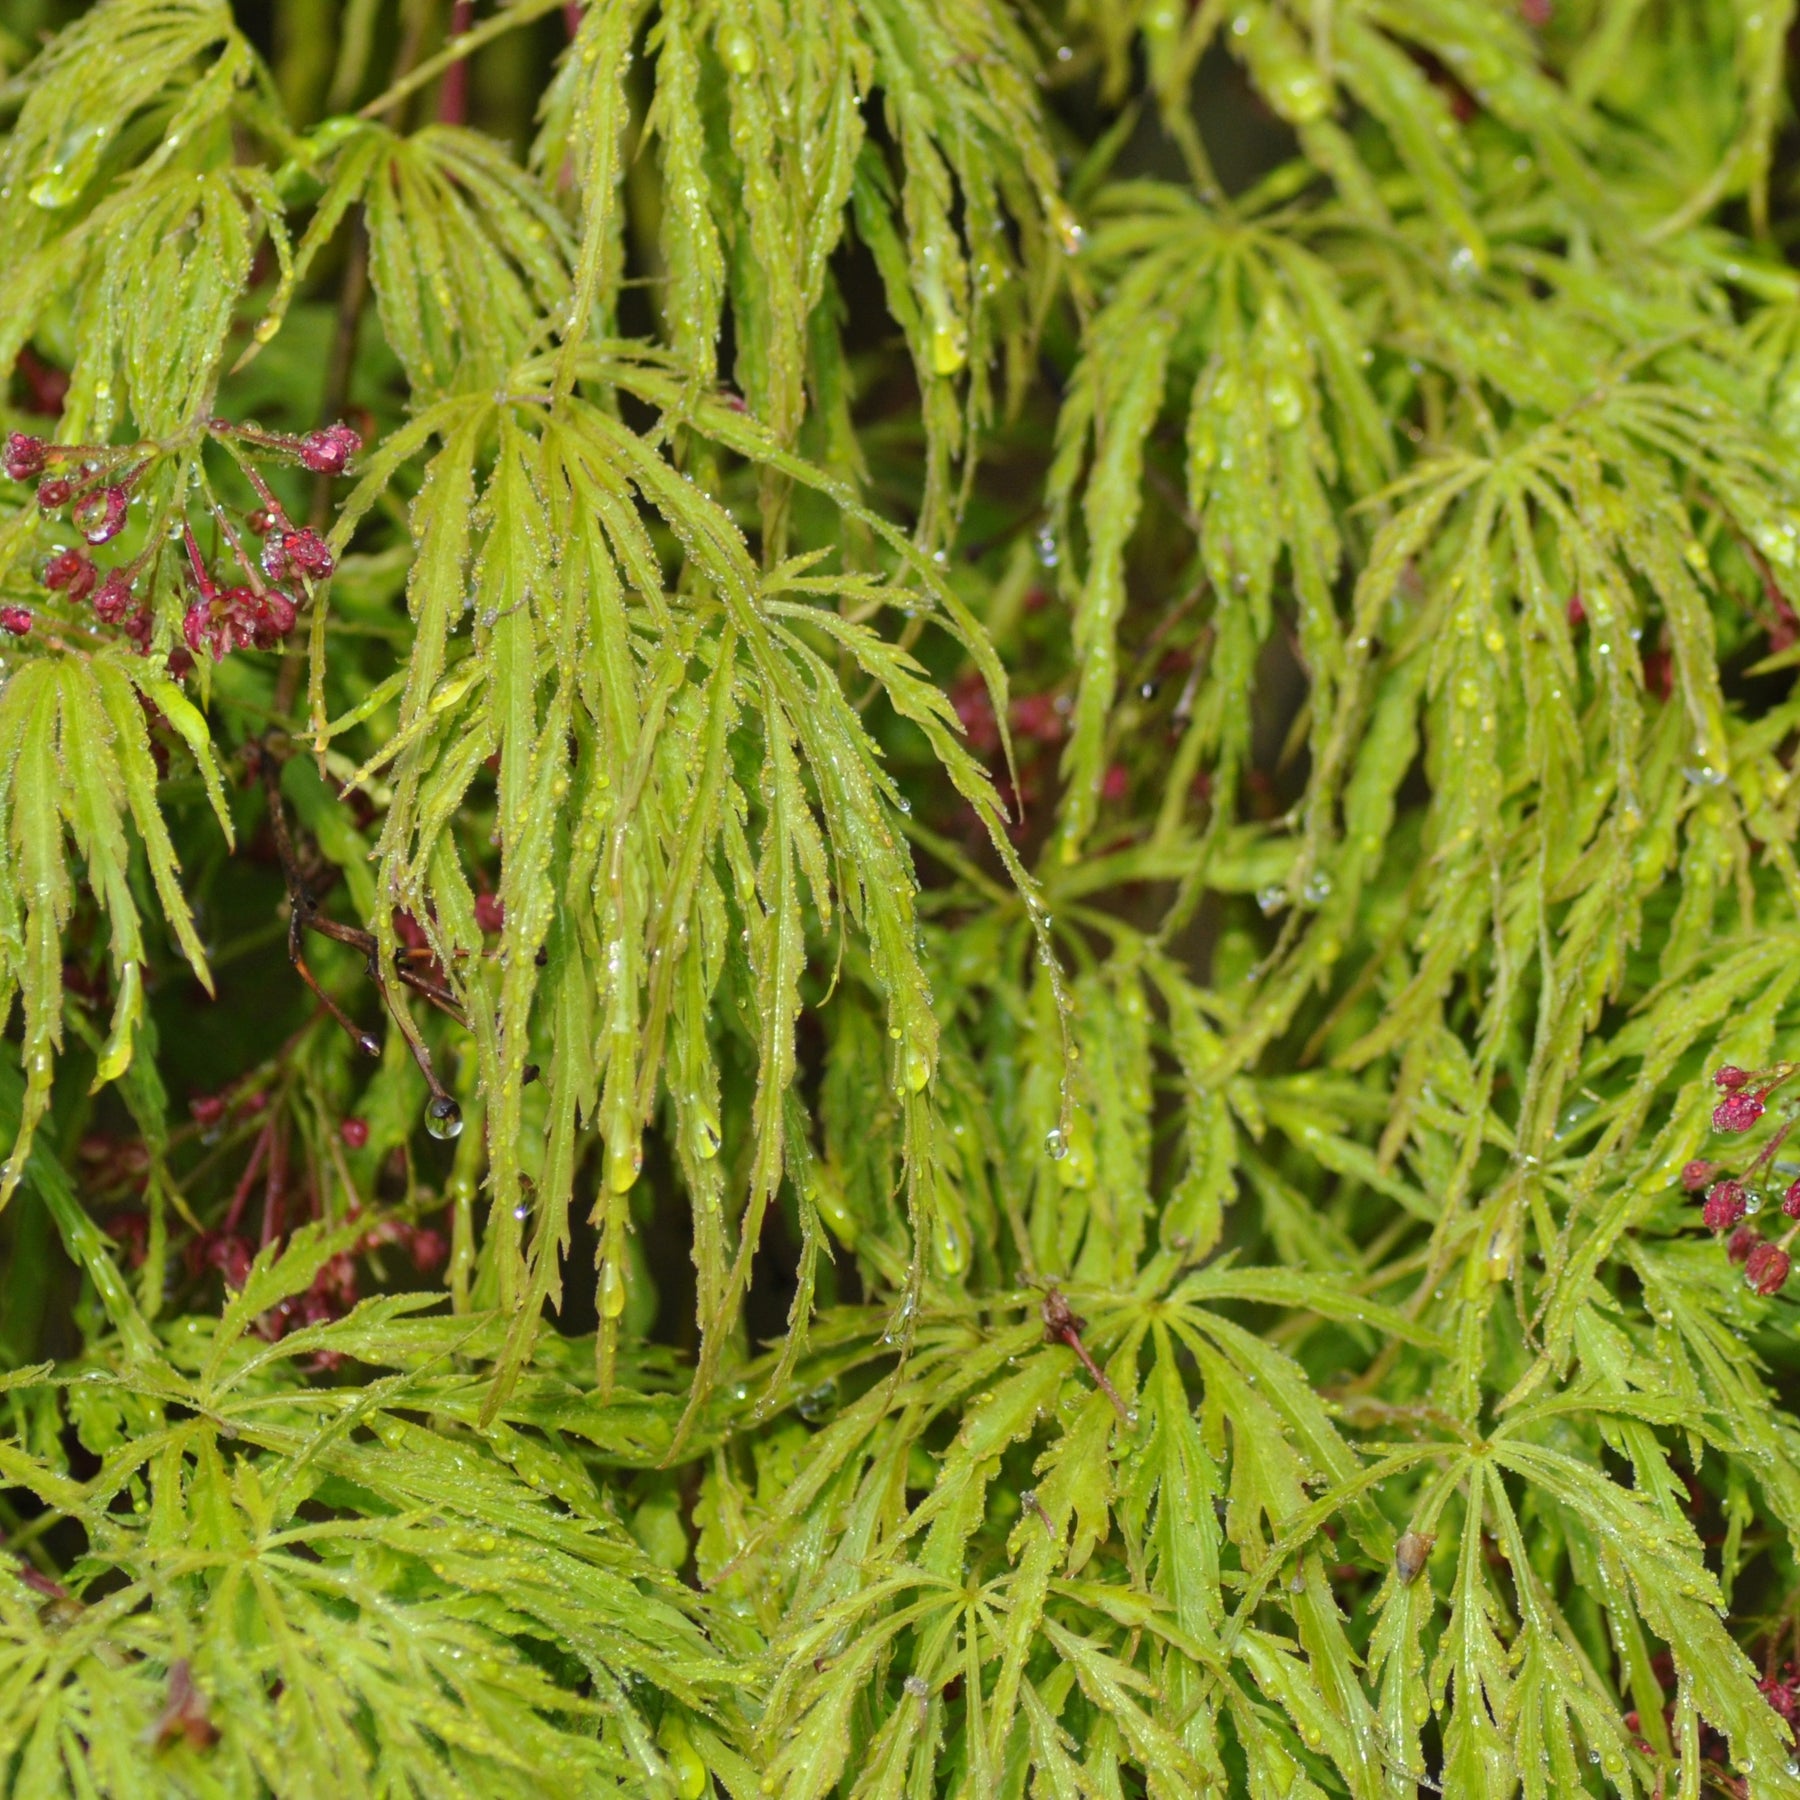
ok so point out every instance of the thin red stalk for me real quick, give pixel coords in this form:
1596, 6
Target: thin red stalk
275, 1194
246, 1181
453, 96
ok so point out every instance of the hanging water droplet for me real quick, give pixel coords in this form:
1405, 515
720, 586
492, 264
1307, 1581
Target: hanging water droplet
1271, 898
948, 1248
443, 1118
624, 1157
612, 1289
705, 1138
737, 50
1049, 553
1056, 1144
1318, 889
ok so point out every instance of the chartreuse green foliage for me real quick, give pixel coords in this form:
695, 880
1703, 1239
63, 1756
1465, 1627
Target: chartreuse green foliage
1040, 751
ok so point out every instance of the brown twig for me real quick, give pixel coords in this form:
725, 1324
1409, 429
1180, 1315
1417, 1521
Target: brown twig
1062, 1325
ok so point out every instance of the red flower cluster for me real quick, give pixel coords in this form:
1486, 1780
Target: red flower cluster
1782, 1691
95, 484
1744, 1098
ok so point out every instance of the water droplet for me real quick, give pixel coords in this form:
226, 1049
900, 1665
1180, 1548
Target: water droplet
1271, 899
624, 1157
1049, 554
818, 1403
948, 1247
612, 1289
737, 50
1056, 1144
443, 1118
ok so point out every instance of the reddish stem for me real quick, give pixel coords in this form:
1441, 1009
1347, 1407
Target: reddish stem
202, 580
275, 1193
1062, 1325
453, 96
246, 1181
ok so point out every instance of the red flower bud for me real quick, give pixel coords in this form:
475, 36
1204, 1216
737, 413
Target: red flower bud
15, 619
1730, 1078
197, 628
1696, 1174
115, 598
428, 1249
1737, 1112
70, 572
100, 516
262, 521
24, 456
1741, 1243
354, 1132
1766, 1268
328, 452
308, 553
54, 492
275, 618
1790, 1201
231, 1256
1725, 1206
208, 1109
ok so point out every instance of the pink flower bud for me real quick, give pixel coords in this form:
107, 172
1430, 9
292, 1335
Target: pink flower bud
15, 619
54, 492
309, 554
115, 598
428, 1249
1696, 1174
1737, 1112
1766, 1268
1790, 1201
1741, 1243
1725, 1206
328, 452
1730, 1078
354, 1132
70, 572
24, 456
196, 625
